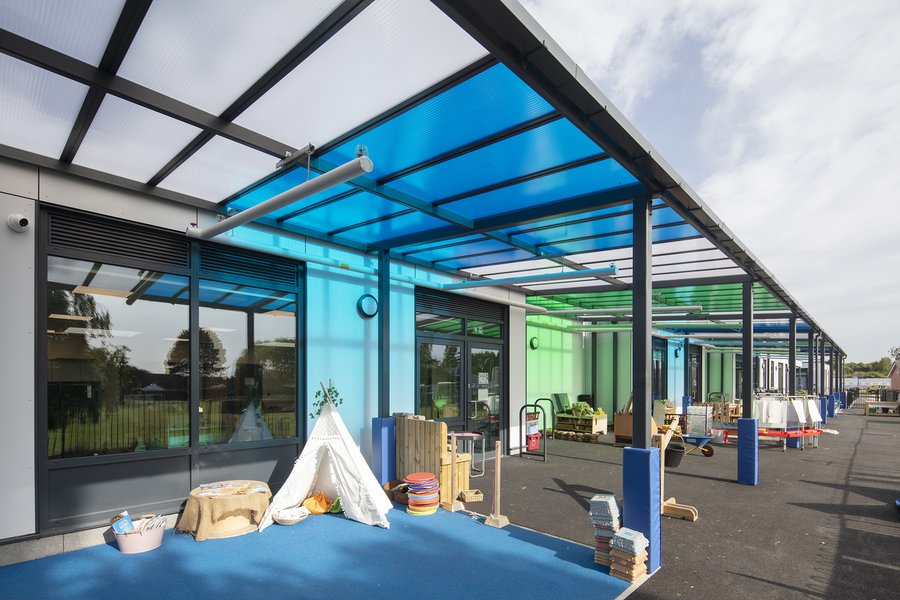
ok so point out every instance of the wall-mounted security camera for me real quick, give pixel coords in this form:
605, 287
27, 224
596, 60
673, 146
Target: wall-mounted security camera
18, 222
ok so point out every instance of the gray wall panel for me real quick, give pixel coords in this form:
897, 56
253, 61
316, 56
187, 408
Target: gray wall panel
272, 464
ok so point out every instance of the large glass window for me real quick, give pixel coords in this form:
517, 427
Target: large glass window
659, 380
112, 386
248, 363
439, 380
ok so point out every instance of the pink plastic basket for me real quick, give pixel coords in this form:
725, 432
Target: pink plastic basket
140, 541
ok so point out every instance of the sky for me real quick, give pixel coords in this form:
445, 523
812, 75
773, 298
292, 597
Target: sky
785, 118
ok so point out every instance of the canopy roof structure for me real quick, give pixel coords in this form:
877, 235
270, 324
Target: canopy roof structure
495, 155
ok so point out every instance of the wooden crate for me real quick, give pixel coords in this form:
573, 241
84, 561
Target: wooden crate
422, 446
591, 424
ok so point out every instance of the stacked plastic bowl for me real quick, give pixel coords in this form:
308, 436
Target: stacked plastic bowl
424, 494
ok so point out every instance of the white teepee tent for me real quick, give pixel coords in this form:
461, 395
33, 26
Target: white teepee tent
332, 464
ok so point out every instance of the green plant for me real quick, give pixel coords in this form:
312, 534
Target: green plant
323, 395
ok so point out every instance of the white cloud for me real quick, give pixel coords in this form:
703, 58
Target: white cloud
797, 144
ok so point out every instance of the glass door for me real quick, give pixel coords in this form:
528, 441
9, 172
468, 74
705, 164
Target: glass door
440, 382
485, 384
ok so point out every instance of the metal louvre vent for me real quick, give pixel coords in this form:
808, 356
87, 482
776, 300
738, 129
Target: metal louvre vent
229, 261
110, 238
440, 303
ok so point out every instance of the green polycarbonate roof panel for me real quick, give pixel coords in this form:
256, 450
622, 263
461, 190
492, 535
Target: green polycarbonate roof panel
713, 298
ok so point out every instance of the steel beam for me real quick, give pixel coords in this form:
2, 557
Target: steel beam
747, 351
822, 364
384, 333
613, 197
129, 22
641, 303
91, 76
792, 356
330, 25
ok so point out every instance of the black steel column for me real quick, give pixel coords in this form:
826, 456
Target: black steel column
831, 369
747, 349
687, 369
822, 365
384, 334
792, 356
813, 382
641, 358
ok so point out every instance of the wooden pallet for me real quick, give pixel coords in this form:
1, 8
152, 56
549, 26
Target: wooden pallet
591, 424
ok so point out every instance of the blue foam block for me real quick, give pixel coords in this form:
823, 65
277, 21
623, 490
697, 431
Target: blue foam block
686, 402
823, 408
384, 448
641, 496
830, 406
793, 442
748, 451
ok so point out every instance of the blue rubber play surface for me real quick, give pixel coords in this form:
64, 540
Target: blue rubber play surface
446, 555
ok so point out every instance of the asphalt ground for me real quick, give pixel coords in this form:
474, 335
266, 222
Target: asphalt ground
820, 524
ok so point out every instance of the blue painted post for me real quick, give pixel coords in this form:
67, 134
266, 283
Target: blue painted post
823, 408
748, 451
384, 448
641, 498
830, 400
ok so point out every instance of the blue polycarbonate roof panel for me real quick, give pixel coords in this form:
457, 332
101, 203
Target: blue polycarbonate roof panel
622, 240
420, 247
168, 286
551, 145
604, 226
489, 102
282, 183
465, 262
593, 214
592, 178
347, 212
402, 225
448, 252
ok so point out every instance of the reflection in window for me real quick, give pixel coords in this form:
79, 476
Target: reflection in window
439, 380
438, 323
248, 363
484, 329
110, 387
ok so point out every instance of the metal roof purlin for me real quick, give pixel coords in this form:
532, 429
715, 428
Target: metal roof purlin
89, 75
578, 204
333, 23
129, 22
510, 33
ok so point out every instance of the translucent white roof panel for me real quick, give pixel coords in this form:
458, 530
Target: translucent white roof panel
37, 108
389, 52
571, 284
209, 53
697, 274
218, 169
79, 28
521, 265
131, 141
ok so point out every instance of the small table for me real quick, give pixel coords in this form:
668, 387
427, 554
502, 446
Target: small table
225, 509
468, 438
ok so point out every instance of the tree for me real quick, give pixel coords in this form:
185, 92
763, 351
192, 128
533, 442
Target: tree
212, 355
895, 352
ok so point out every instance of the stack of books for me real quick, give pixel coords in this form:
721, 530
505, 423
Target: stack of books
628, 555
605, 517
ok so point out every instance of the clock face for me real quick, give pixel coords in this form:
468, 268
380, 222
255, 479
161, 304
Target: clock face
533, 343
367, 305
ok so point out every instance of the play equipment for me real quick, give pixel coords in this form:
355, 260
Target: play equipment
669, 507
495, 519
453, 504
529, 423
331, 463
